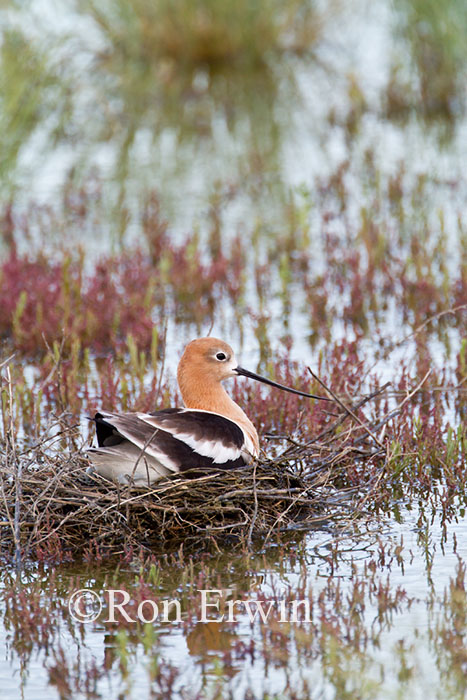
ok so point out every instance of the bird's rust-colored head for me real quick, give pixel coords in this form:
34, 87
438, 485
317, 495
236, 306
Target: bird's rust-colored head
206, 362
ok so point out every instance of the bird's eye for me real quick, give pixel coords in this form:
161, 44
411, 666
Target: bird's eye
221, 356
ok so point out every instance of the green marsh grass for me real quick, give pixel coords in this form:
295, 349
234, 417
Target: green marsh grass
30, 83
435, 36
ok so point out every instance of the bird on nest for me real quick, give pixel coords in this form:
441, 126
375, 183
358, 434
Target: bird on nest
211, 431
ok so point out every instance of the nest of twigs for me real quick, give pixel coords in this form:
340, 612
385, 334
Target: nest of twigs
51, 508
65, 510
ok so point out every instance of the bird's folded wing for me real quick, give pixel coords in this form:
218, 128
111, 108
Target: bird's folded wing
208, 434
177, 438
113, 427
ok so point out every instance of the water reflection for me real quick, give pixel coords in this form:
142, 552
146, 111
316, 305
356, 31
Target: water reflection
374, 609
209, 105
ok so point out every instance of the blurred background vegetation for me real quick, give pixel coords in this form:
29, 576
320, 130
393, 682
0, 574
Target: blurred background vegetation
236, 101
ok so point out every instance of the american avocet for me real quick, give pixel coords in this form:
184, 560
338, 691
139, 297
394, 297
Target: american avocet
211, 431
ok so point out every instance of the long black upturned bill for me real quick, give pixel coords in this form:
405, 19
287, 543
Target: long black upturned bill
259, 378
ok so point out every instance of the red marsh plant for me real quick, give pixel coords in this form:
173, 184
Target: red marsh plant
90, 327
44, 299
371, 270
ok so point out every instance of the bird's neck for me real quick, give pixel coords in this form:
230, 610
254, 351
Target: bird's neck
214, 398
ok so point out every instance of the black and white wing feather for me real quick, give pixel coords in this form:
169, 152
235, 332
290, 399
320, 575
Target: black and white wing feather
147, 446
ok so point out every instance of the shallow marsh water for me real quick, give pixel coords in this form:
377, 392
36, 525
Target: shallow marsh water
343, 144
387, 620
